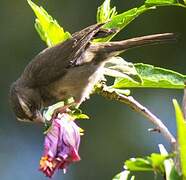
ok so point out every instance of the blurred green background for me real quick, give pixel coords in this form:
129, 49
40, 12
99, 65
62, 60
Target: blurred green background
114, 133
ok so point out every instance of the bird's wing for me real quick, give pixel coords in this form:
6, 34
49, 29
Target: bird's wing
53, 62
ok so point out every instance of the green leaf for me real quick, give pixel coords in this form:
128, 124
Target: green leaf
118, 67
154, 162
138, 164
163, 3
120, 21
76, 113
124, 175
80, 116
170, 171
47, 27
157, 161
181, 134
105, 13
152, 77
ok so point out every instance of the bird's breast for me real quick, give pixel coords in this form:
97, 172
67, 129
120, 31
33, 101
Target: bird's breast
78, 82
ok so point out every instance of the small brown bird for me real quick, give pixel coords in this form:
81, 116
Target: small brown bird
69, 69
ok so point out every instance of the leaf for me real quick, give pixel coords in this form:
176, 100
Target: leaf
118, 67
80, 116
170, 171
105, 13
153, 77
138, 164
124, 175
154, 162
47, 27
163, 3
76, 113
120, 21
157, 161
181, 134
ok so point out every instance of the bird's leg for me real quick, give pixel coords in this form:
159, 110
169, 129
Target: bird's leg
65, 109
60, 110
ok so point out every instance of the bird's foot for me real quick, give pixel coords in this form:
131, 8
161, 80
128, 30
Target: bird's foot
64, 109
60, 110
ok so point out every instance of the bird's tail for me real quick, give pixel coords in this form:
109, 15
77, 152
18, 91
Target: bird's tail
109, 48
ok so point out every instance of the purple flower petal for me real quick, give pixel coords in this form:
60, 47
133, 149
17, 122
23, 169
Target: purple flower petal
61, 145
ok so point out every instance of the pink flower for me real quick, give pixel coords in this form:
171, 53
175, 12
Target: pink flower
61, 145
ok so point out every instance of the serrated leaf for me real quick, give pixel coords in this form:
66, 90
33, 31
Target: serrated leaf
118, 67
153, 77
181, 134
170, 171
120, 21
47, 27
124, 175
105, 13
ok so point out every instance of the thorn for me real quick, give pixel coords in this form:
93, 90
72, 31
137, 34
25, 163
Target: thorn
154, 130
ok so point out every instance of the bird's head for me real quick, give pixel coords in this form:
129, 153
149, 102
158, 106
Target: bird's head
26, 103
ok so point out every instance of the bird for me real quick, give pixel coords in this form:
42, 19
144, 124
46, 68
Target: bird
69, 69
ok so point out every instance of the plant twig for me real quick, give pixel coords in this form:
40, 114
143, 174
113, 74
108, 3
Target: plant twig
136, 106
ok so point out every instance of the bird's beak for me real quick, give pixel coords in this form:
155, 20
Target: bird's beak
39, 118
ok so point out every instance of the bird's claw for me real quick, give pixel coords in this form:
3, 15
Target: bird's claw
61, 110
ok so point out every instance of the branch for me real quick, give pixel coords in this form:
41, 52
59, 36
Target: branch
136, 106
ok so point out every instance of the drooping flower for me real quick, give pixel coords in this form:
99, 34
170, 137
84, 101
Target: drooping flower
61, 145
